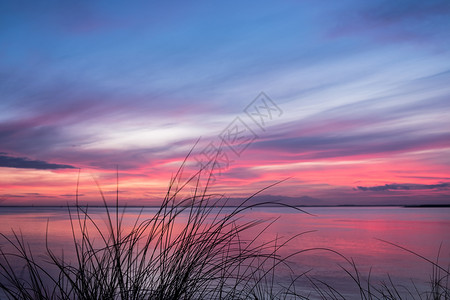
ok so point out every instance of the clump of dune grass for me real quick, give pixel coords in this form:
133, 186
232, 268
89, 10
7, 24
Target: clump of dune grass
439, 288
368, 289
154, 259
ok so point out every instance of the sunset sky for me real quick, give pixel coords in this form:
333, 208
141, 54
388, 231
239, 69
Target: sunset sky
350, 100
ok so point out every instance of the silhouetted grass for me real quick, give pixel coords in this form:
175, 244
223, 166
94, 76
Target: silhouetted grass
438, 285
204, 259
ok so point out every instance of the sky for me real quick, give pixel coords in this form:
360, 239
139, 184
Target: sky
346, 100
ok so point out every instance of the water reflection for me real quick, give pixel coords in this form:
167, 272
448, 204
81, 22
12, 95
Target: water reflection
353, 232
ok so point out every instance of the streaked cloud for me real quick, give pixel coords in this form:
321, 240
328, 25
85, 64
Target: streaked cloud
405, 187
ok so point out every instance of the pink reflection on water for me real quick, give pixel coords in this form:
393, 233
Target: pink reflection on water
353, 232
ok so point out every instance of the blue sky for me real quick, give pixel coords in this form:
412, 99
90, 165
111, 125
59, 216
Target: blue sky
362, 85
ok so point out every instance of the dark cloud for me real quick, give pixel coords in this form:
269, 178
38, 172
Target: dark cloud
389, 11
11, 195
404, 187
427, 177
413, 21
25, 163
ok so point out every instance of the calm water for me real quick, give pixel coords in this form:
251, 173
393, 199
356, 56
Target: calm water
353, 232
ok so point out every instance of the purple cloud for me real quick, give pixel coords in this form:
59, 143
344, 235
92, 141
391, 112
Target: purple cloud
404, 187
412, 21
25, 163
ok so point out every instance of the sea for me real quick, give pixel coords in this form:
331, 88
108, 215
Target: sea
327, 245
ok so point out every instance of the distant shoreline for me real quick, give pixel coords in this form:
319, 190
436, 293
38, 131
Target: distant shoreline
231, 206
